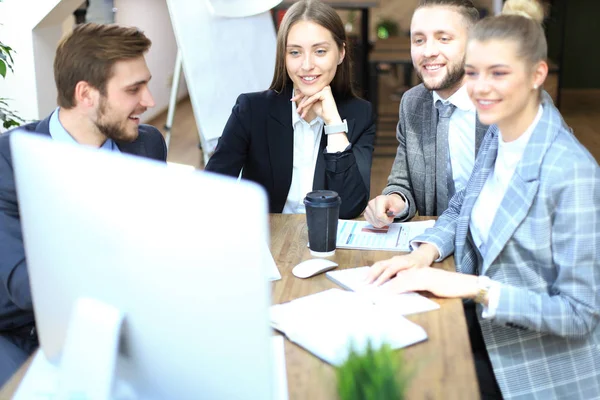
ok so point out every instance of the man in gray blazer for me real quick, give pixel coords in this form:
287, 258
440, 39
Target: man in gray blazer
102, 81
436, 152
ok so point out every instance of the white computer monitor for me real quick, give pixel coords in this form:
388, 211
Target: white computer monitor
179, 254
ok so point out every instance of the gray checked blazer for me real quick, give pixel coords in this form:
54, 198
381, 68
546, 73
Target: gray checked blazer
419, 170
544, 250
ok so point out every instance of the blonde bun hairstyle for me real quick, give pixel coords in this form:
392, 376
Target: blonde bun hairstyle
520, 22
525, 8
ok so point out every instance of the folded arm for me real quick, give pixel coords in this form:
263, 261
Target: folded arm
348, 172
399, 179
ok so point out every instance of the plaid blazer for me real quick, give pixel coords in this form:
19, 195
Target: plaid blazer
544, 250
420, 167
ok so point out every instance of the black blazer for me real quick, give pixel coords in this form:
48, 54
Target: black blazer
259, 141
16, 308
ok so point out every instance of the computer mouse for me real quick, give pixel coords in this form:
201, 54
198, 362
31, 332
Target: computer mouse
312, 267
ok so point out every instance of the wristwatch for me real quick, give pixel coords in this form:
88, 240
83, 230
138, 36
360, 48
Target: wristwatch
484, 284
337, 128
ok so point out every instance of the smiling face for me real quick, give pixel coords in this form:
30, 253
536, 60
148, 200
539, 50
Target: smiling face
311, 57
438, 42
503, 86
117, 115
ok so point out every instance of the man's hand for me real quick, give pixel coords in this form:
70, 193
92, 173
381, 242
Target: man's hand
381, 210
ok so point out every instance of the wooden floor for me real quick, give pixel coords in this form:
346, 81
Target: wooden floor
580, 109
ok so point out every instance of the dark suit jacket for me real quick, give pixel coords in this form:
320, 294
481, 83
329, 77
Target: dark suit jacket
419, 170
259, 141
16, 308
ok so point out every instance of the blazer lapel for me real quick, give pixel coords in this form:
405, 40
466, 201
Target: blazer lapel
480, 130
428, 144
319, 177
522, 189
280, 139
475, 185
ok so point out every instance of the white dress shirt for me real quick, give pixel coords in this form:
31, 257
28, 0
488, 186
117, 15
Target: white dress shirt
307, 140
493, 191
461, 136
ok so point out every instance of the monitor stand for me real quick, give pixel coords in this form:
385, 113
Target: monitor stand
89, 356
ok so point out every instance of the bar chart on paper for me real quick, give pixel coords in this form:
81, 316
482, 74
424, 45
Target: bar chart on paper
395, 237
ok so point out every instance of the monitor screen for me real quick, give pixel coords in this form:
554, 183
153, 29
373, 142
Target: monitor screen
180, 254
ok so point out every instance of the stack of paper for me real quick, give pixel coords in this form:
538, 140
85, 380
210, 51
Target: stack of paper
395, 237
404, 304
328, 323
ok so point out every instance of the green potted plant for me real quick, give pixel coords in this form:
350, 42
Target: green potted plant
386, 28
375, 374
8, 117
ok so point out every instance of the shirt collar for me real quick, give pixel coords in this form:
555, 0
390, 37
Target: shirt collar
520, 143
296, 117
60, 134
460, 99
58, 131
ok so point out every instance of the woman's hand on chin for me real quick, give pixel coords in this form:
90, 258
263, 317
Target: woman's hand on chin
321, 103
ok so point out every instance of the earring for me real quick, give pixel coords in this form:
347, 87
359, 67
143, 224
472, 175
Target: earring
535, 87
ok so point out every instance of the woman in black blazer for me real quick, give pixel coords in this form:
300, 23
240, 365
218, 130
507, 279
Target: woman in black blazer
309, 119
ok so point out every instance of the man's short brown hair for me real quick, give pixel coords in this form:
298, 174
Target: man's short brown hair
89, 53
465, 7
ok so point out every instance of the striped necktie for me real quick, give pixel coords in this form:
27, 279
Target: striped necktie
444, 113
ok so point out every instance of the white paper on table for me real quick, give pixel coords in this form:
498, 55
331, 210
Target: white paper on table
273, 272
40, 381
353, 279
280, 387
328, 323
395, 237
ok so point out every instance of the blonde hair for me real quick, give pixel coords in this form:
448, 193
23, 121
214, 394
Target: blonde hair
520, 22
525, 8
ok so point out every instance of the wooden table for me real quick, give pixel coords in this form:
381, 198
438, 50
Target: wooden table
444, 365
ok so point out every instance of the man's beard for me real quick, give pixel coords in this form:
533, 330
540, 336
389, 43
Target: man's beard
112, 130
452, 78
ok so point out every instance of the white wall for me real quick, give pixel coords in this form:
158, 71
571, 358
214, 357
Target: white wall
152, 17
33, 29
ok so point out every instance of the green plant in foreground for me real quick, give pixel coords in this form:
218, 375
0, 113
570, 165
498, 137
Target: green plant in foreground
376, 374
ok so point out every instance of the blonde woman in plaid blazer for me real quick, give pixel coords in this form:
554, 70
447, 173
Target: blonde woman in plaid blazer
525, 232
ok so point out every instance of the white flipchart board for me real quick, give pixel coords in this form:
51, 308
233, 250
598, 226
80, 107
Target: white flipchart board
228, 48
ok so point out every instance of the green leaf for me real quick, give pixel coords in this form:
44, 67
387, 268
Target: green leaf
375, 374
10, 123
3, 68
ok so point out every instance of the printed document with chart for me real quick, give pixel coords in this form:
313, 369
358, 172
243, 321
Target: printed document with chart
364, 236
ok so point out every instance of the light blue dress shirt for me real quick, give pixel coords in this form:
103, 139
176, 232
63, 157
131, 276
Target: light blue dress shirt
59, 133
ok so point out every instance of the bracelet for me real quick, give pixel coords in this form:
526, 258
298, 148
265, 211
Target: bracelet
337, 128
484, 284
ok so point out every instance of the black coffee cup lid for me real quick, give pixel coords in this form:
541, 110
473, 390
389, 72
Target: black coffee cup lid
322, 196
